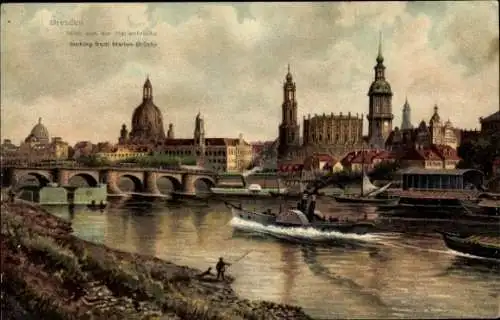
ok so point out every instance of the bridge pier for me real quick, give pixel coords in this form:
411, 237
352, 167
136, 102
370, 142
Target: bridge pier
62, 177
150, 185
188, 184
111, 178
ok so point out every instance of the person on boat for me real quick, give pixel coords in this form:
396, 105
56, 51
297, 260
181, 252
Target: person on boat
312, 205
221, 268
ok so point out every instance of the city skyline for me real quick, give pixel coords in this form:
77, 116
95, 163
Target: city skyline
229, 62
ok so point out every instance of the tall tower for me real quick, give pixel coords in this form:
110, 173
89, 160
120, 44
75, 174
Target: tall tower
380, 106
199, 140
199, 130
289, 128
406, 122
170, 133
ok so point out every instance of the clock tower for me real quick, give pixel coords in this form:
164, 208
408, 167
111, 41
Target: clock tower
380, 105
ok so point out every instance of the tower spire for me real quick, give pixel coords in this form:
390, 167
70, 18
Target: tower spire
147, 91
380, 58
39, 120
288, 68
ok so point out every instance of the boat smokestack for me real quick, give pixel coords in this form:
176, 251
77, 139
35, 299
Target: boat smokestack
312, 208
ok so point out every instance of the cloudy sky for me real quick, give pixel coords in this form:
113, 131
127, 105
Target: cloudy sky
229, 62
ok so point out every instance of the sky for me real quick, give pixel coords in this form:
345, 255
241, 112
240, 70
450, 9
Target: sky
229, 61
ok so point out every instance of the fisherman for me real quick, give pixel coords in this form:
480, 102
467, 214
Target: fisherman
221, 268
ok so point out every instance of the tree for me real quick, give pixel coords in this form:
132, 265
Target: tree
93, 161
157, 160
479, 154
385, 170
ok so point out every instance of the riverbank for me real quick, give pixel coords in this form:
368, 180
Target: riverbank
47, 273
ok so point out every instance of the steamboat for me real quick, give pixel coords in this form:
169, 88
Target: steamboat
304, 215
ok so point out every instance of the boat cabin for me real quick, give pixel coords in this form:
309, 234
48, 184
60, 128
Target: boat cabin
441, 179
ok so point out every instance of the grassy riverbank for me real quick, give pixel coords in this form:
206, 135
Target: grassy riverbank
47, 273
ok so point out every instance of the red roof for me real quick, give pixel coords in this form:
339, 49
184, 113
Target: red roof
420, 154
348, 158
365, 157
386, 155
291, 167
323, 157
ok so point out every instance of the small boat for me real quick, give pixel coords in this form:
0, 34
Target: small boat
369, 194
304, 215
480, 246
484, 207
253, 190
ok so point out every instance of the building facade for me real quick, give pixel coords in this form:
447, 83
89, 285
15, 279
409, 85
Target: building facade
436, 133
491, 124
333, 130
120, 153
36, 147
322, 134
148, 136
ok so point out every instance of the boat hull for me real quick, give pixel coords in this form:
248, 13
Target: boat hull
267, 219
463, 245
367, 200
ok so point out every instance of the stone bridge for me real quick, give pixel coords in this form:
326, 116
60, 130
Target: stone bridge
144, 179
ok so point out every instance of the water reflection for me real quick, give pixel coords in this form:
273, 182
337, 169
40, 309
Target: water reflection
400, 276
290, 267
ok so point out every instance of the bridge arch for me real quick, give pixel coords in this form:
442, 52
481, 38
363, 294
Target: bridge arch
176, 183
208, 181
42, 179
138, 184
89, 179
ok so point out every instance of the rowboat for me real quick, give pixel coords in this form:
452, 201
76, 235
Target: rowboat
476, 245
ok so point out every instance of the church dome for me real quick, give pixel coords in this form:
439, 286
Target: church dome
39, 132
380, 86
147, 119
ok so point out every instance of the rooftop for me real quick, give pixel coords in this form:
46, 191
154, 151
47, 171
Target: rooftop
449, 172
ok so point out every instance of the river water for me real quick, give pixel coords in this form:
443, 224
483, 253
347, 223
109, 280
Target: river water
391, 275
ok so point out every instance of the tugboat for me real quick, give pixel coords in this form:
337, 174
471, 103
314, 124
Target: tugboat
479, 246
304, 215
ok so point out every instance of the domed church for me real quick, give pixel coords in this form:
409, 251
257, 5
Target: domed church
39, 134
147, 120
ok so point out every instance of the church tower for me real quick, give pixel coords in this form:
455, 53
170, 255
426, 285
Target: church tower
170, 132
289, 128
199, 140
406, 122
380, 106
199, 130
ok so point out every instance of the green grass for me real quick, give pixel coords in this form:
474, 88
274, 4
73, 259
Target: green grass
51, 269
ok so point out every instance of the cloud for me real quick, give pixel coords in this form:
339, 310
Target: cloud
229, 62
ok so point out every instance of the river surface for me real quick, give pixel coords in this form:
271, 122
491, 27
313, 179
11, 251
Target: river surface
391, 275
